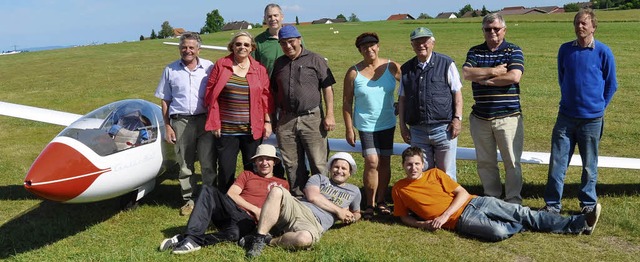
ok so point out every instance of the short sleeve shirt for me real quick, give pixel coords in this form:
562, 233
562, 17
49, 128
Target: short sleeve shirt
297, 83
346, 195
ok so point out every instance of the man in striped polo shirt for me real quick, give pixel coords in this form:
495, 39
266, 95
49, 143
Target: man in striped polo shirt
495, 68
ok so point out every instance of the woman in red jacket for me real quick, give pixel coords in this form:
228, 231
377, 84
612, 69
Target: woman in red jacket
239, 101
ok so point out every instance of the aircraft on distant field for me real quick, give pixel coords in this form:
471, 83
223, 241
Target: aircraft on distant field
119, 150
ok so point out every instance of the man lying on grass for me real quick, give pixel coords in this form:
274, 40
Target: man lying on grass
326, 200
440, 202
233, 213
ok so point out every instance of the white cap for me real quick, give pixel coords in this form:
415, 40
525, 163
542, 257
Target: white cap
346, 157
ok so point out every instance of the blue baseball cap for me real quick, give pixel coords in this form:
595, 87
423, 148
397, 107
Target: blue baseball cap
288, 31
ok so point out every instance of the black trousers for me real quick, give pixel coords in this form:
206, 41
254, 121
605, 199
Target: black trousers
214, 206
227, 148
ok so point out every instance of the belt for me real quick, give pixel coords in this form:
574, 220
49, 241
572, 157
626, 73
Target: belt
302, 112
176, 116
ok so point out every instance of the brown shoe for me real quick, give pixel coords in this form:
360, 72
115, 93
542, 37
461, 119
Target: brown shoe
186, 209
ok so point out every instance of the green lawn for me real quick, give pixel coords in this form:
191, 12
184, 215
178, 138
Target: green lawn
80, 79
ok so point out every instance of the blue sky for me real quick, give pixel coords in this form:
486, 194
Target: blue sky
36, 23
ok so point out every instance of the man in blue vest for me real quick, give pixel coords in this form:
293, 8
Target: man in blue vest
431, 103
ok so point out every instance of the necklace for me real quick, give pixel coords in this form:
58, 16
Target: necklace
239, 65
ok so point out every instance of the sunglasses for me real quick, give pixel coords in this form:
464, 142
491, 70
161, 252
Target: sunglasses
238, 44
494, 29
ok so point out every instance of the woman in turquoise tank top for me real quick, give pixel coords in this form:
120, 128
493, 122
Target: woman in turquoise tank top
367, 105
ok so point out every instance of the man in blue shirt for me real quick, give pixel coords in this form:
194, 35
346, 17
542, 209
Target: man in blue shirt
587, 77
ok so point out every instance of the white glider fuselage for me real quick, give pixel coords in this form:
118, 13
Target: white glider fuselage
112, 151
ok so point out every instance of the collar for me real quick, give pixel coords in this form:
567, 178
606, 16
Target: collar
502, 45
227, 61
591, 45
197, 66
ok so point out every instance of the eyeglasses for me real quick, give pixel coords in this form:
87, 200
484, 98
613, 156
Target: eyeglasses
494, 29
238, 44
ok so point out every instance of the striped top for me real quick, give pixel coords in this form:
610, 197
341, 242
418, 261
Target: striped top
234, 107
493, 102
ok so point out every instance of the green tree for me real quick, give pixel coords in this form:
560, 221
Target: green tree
484, 11
297, 21
571, 7
464, 10
214, 22
141, 37
153, 34
341, 16
353, 18
424, 16
166, 31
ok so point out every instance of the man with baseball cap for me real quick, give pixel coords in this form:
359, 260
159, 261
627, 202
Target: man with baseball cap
430, 103
301, 80
327, 199
233, 214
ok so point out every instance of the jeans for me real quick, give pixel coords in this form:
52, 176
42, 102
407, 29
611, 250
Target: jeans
191, 141
566, 133
213, 206
507, 134
300, 136
227, 147
438, 147
492, 219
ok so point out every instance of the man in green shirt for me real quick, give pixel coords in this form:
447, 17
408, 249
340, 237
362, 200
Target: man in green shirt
268, 49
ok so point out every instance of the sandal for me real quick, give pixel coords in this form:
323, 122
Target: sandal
367, 214
383, 208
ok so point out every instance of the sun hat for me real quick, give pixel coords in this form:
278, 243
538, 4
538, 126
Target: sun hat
288, 31
266, 150
421, 32
367, 39
344, 156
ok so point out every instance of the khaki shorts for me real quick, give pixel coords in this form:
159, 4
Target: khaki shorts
295, 216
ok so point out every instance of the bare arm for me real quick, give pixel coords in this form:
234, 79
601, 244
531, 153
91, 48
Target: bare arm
314, 196
169, 135
460, 197
234, 194
511, 77
456, 124
404, 130
329, 120
347, 106
476, 74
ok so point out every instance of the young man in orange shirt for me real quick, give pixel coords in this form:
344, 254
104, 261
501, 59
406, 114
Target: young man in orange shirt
432, 200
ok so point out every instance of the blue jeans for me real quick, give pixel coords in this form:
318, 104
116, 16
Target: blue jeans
492, 219
439, 149
566, 133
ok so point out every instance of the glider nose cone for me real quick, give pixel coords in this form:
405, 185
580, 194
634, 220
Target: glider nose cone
61, 173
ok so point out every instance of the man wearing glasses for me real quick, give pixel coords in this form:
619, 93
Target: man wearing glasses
495, 68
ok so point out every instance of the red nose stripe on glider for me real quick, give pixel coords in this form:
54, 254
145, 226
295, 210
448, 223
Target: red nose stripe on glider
61, 173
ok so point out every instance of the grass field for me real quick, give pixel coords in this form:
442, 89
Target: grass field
80, 79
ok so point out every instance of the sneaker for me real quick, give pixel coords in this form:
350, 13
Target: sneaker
169, 243
550, 209
185, 246
186, 209
592, 216
249, 238
254, 245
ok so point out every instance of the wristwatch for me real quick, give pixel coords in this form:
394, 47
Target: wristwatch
458, 117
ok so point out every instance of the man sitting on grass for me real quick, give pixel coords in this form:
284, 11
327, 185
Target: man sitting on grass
440, 202
326, 200
235, 213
